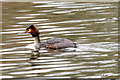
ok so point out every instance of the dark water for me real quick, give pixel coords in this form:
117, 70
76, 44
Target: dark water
93, 25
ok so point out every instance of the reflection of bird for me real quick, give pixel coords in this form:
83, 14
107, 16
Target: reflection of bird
54, 43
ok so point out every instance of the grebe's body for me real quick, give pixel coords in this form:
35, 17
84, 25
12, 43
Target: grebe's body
58, 43
54, 43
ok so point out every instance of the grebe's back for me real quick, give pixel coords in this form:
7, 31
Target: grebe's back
58, 43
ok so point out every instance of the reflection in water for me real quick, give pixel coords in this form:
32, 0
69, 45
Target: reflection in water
92, 25
34, 55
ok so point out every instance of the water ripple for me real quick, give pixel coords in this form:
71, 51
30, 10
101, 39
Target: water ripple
22, 17
93, 26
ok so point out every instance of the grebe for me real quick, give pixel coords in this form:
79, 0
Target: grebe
54, 43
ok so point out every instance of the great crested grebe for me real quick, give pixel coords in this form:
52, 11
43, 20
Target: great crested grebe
54, 43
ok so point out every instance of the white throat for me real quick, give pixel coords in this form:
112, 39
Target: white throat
37, 43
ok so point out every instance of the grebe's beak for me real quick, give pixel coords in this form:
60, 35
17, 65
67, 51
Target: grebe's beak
22, 32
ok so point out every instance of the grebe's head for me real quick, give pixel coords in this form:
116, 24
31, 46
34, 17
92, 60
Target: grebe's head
32, 30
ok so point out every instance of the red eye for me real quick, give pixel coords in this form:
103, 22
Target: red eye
29, 31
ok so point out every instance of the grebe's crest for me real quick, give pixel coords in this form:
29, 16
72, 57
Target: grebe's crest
30, 27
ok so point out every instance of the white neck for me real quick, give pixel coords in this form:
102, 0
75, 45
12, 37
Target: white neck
37, 43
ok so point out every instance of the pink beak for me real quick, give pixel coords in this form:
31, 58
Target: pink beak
22, 32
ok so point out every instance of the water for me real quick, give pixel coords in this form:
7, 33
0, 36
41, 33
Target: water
93, 25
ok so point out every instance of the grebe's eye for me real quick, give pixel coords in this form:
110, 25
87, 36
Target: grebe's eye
29, 30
